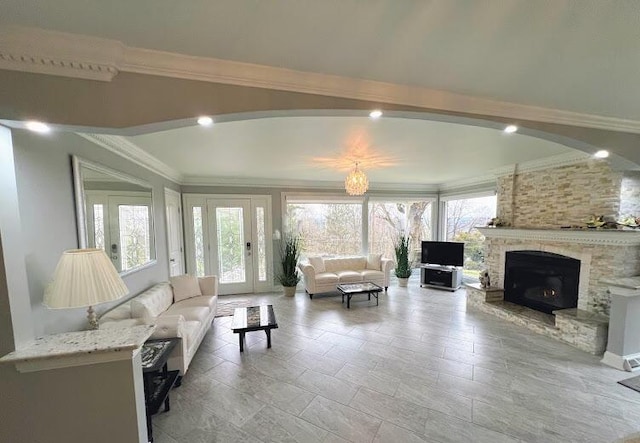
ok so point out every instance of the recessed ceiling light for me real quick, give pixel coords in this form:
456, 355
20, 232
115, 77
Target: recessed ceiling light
205, 120
601, 154
35, 126
510, 129
376, 113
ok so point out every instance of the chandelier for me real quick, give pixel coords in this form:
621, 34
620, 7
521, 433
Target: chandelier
356, 182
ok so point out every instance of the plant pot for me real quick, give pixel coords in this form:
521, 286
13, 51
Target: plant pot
402, 282
289, 291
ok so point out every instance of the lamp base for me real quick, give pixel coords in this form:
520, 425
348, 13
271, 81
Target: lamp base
92, 318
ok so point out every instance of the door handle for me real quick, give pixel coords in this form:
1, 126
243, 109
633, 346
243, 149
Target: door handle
172, 259
248, 246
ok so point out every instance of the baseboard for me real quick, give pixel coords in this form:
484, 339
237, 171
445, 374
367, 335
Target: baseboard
629, 363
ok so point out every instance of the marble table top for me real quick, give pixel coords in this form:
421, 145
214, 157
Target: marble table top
71, 344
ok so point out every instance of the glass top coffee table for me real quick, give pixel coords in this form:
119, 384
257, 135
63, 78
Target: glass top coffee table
254, 318
351, 289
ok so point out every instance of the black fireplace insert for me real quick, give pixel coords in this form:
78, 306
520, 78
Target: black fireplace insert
541, 280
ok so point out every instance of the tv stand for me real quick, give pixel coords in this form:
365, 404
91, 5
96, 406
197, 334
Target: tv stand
440, 277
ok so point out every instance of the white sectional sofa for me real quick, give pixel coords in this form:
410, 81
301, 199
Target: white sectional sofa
188, 318
322, 274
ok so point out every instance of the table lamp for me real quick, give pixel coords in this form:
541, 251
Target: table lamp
84, 277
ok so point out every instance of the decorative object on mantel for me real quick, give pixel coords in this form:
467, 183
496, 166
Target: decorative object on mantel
84, 277
600, 222
496, 222
629, 222
485, 280
356, 182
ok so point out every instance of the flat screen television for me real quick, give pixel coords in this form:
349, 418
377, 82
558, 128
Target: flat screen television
443, 253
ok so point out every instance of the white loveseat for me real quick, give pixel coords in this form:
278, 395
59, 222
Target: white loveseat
321, 274
189, 318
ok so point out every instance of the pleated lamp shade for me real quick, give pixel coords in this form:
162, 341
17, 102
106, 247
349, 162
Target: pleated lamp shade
84, 277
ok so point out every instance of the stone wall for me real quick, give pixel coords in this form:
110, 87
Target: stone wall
563, 196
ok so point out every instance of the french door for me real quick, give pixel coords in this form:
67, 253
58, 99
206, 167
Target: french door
230, 237
230, 227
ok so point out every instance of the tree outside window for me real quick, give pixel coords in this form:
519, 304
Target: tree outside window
462, 217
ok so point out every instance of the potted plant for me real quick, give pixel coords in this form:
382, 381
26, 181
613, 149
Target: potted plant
403, 268
289, 256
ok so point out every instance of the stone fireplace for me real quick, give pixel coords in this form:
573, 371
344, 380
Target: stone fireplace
603, 255
545, 207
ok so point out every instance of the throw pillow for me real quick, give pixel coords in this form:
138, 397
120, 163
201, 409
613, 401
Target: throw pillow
318, 264
374, 261
184, 286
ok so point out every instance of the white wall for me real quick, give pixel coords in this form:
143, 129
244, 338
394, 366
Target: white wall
46, 201
15, 317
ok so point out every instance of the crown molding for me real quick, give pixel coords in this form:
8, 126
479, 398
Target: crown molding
554, 161
479, 181
58, 53
193, 180
133, 153
81, 56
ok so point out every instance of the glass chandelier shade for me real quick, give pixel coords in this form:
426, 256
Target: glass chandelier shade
356, 182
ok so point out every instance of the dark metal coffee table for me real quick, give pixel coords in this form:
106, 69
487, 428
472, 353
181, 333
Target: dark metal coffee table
351, 289
254, 318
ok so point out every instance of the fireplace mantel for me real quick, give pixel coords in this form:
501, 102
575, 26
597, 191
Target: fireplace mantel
583, 236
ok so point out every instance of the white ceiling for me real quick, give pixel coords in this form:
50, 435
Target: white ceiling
573, 55
308, 148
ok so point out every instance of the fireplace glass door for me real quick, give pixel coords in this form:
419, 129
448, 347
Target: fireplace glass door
541, 280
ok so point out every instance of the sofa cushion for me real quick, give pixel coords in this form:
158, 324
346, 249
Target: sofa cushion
326, 278
152, 302
345, 264
185, 286
349, 276
369, 275
208, 285
374, 261
208, 301
197, 313
318, 264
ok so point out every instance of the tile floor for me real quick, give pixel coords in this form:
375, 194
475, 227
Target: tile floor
417, 368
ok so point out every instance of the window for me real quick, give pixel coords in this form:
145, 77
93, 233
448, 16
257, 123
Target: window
262, 244
335, 225
98, 226
388, 218
198, 240
462, 215
135, 236
327, 228
230, 240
